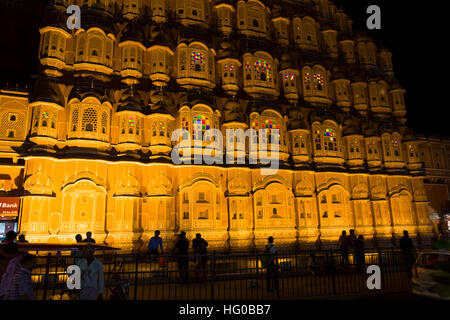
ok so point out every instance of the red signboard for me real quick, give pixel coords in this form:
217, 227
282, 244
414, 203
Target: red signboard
9, 207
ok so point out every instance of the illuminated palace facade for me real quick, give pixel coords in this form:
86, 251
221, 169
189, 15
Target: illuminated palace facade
89, 147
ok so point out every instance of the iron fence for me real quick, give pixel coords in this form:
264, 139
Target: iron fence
222, 276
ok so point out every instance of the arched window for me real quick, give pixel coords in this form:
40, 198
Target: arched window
131, 125
396, 146
197, 61
318, 140
201, 124
263, 71
319, 81
330, 141
104, 122
74, 120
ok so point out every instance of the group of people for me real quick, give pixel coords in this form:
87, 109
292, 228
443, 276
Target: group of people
15, 269
352, 243
181, 251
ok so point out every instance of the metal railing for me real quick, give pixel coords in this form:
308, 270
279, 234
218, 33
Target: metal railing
224, 276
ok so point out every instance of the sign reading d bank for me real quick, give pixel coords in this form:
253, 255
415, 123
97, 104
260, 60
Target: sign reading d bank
9, 207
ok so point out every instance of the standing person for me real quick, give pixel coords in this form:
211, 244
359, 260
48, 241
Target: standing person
351, 239
21, 287
77, 254
181, 250
359, 253
272, 267
407, 246
313, 265
153, 245
199, 245
8, 251
89, 238
343, 245
92, 282
22, 239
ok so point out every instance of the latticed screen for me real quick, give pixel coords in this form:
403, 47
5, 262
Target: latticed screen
104, 122
307, 81
74, 120
12, 129
89, 120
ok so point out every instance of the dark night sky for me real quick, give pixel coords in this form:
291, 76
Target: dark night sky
408, 30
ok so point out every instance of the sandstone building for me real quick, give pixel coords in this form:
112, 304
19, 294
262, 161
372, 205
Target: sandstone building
89, 148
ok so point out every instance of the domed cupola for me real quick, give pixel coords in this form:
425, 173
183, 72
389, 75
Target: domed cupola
94, 44
397, 94
299, 135
47, 107
379, 96
131, 120
290, 77
230, 66
341, 87
130, 101
162, 123
360, 90
281, 23
353, 142
131, 9
53, 43
159, 49
132, 50
90, 114
225, 12
195, 62
347, 47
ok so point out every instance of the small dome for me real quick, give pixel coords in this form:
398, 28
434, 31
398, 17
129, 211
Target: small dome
133, 32
350, 127
44, 91
233, 112
286, 61
395, 85
369, 129
92, 18
338, 72
157, 36
227, 49
130, 101
88, 87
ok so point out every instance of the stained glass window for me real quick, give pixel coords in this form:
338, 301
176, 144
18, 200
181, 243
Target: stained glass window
131, 125
318, 81
271, 127
307, 81
317, 140
330, 142
263, 71
228, 70
185, 124
162, 128
197, 61
45, 115
289, 76
201, 123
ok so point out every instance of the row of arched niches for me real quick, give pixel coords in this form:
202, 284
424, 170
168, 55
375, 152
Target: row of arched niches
138, 69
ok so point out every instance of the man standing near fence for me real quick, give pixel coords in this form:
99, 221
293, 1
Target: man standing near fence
181, 250
153, 245
92, 282
21, 287
272, 266
407, 246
